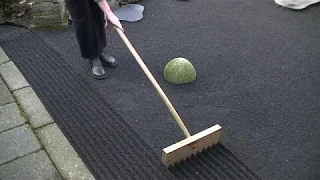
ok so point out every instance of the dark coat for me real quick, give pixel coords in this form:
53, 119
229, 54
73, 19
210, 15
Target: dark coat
88, 21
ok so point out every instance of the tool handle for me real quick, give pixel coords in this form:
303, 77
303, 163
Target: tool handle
154, 82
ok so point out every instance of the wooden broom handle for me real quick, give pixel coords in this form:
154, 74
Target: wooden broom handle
154, 82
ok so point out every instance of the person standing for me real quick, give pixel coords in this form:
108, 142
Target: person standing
88, 19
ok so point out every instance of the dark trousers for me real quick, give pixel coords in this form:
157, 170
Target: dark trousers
88, 22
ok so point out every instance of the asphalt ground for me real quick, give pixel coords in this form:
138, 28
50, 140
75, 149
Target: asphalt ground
257, 76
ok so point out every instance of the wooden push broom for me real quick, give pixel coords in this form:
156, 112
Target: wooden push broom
191, 145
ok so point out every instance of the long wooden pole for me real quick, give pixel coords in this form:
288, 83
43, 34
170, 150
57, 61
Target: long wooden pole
154, 82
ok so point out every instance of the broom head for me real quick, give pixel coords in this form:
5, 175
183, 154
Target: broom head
191, 146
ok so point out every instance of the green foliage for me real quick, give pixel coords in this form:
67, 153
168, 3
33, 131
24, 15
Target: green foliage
6, 6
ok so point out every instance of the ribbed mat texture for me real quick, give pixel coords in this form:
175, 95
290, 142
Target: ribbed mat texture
107, 145
216, 162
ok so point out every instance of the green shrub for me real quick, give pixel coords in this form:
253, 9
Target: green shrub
7, 6
179, 71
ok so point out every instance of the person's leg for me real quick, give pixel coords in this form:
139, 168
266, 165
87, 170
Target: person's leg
98, 16
88, 22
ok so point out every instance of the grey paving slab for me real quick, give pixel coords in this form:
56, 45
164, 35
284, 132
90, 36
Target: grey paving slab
33, 108
17, 142
1, 80
10, 116
35, 166
5, 95
3, 57
12, 75
62, 153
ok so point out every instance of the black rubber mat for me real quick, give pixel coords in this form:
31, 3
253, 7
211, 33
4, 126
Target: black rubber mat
257, 76
108, 146
216, 162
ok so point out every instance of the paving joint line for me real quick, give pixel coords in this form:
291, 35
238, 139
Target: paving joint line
20, 89
42, 148
14, 128
42, 126
20, 108
21, 157
5, 62
12, 102
15, 100
27, 122
48, 155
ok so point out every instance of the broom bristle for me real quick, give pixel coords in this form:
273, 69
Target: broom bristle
191, 146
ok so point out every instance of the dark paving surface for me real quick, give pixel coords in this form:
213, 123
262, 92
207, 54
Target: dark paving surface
258, 77
258, 74
108, 146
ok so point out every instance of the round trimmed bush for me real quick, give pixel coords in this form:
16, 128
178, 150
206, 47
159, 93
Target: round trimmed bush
179, 71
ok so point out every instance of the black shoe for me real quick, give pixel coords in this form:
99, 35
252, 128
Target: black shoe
96, 69
108, 61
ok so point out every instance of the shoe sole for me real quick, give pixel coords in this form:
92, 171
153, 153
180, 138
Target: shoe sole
108, 65
99, 77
